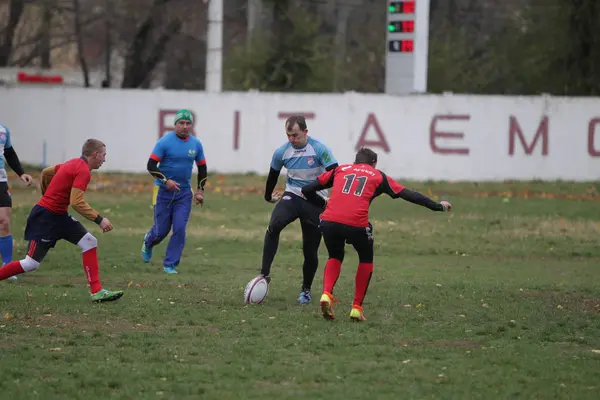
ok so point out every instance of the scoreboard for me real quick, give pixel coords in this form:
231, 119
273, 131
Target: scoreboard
407, 46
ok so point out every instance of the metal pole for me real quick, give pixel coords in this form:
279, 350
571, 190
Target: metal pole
214, 47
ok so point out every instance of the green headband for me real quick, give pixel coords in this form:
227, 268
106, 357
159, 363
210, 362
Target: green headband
184, 115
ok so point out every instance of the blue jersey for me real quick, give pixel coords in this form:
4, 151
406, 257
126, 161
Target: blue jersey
303, 164
177, 157
4, 144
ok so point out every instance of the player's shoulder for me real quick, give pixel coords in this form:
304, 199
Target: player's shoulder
167, 136
195, 140
317, 144
280, 151
79, 164
4, 129
344, 167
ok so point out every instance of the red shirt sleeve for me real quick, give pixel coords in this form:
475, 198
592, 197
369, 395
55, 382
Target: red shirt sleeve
326, 177
82, 178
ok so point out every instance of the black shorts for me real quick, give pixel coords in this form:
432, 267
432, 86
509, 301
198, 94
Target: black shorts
5, 198
46, 228
292, 207
337, 235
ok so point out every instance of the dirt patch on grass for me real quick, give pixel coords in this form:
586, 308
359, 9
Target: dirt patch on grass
577, 301
442, 343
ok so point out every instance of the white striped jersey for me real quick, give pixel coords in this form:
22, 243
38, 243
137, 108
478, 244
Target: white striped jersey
303, 164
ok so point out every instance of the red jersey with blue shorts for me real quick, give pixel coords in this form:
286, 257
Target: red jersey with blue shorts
354, 186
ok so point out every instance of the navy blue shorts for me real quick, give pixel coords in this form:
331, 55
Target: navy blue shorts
46, 228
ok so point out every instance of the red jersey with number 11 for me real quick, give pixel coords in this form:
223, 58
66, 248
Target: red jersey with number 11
354, 186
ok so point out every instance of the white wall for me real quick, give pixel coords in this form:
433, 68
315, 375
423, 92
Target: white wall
415, 130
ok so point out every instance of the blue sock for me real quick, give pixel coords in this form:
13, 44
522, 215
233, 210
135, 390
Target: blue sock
6, 249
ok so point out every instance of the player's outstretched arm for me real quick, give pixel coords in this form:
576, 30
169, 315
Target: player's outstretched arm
270, 186
396, 190
422, 200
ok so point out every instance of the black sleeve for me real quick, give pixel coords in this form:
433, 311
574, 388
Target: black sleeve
202, 176
154, 171
420, 199
10, 155
332, 166
310, 192
408, 195
271, 183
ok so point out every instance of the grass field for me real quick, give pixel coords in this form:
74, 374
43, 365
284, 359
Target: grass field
499, 299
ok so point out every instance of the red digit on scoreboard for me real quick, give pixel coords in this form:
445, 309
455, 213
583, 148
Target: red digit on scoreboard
408, 7
408, 26
407, 46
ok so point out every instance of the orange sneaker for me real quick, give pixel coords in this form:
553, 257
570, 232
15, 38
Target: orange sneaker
327, 305
357, 313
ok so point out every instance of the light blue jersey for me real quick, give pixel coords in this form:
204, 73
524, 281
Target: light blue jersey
303, 164
177, 156
4, 144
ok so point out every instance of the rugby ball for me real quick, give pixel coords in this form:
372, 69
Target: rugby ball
256, 290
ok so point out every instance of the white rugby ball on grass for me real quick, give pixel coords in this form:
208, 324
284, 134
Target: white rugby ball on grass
256, 290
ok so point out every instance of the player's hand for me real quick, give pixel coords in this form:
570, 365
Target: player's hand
446, 204
275, 197
199, 197
172, 185
27, 179
106, 225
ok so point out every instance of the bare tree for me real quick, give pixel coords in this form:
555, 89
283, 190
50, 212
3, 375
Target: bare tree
148, 45
80, 44
15, 11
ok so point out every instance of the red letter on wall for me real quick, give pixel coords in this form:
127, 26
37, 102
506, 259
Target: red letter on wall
434, 134
286, 115
591, 134
236, 130
364, 142
162, 128
515, 129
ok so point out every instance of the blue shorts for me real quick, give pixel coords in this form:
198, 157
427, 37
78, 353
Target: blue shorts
47, 228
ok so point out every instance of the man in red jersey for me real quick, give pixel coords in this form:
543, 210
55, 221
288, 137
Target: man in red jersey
63, 185
346, 220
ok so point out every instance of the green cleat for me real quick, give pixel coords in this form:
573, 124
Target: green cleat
106, 295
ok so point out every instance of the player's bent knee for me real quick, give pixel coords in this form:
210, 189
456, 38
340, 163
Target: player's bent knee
88, 242
29, 264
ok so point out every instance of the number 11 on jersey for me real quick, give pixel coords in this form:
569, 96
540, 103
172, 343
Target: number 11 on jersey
350, 178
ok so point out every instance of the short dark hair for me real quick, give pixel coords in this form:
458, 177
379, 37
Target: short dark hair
365, 156
295, 119
91, 146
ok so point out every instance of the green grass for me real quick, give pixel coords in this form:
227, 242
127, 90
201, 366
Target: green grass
499, 299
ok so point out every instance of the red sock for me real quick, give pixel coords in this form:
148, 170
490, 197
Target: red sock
363, 277
332, 273
11, 269
90, 266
